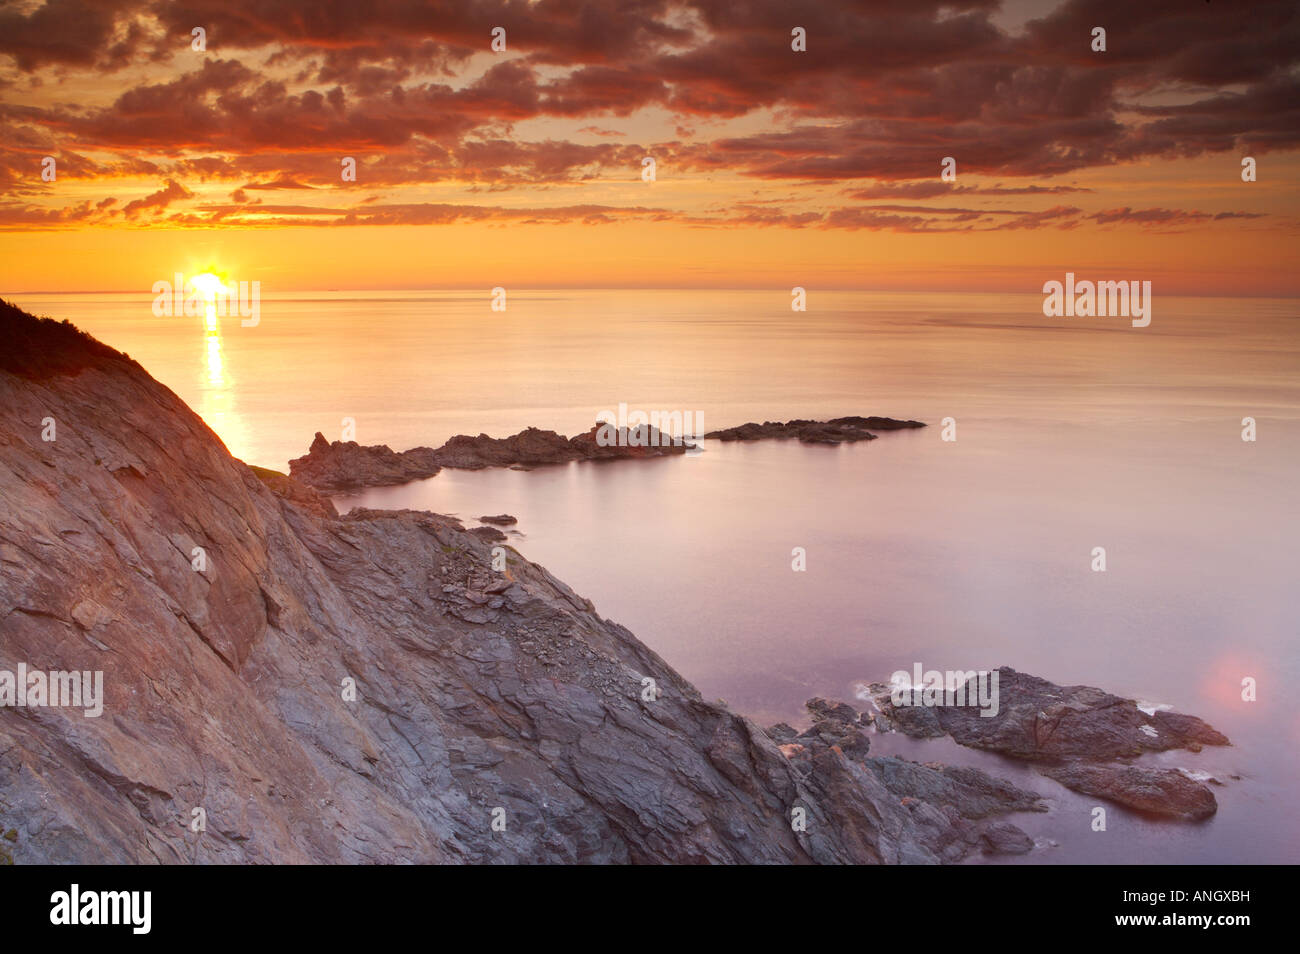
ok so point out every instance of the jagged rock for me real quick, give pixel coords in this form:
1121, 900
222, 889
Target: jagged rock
531, 447
347, 689
954, 808
1040, 721
1155, 790
839, 430
342, 466
1004, 839
347, 465
1079, 730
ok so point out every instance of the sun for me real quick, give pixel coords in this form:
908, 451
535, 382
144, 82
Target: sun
209, 285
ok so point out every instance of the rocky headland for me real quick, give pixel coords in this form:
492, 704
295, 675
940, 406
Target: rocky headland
367, 688
285, 684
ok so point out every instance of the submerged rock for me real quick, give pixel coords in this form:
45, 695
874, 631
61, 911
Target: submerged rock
501, 520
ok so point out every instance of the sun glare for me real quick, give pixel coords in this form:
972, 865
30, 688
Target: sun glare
209, 285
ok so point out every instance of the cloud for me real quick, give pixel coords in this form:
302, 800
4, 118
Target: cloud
164, 197
884, 92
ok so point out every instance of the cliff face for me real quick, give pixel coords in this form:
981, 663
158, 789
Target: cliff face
476, 688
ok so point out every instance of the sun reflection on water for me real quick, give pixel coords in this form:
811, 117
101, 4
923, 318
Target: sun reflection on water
218, 406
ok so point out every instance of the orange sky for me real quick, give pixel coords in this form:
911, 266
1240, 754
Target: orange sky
774, 167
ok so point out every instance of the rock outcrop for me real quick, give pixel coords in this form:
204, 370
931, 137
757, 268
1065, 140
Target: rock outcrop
347, 465
957, 808
1153, 790
839, 430
316, 688
1078, 731
344, 466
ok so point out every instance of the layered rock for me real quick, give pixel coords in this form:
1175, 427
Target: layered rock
957, 808
838, 430
1152, 790
1078, 731
367, 688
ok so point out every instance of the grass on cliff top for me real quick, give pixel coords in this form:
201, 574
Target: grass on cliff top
39, 348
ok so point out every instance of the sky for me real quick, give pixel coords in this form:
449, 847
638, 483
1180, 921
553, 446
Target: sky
773, 166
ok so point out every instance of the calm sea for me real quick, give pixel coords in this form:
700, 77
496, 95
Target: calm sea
1071, 434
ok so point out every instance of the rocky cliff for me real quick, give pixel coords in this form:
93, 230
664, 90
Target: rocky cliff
282, 684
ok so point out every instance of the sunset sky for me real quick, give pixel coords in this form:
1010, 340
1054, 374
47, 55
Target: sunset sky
523, 168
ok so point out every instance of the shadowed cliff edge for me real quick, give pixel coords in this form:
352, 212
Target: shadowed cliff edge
476, 689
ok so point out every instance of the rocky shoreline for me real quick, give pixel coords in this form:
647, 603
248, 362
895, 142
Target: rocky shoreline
347, 465
342, 466
387, 686
1082, 737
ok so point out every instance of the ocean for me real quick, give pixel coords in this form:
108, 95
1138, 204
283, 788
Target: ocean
1070, 434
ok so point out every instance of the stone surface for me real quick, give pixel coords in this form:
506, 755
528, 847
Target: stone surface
956, 809
347, 465
1040, 721
1153, 790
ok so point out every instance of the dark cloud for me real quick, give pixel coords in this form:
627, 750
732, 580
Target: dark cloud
884, 92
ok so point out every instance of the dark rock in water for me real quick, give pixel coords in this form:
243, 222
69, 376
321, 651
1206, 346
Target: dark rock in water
1154, 790
353, 689
839, 430
1004, 839
531, 447
606, 442
349, 466
1079, 730
501, 520
340, 466
1040, 721
491, 534
537, 448
343, 466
